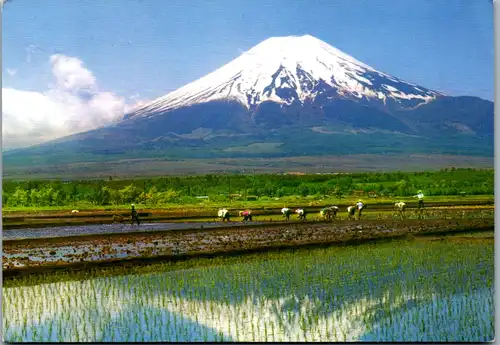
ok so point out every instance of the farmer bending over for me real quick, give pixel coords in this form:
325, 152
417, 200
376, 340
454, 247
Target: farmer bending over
286, 213
360, 206
134, 215
329, 212
400, 207
351, 210
325, 213
247, 215
333, 211
223, 214
302, 214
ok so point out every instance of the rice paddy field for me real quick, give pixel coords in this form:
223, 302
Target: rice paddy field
425, 289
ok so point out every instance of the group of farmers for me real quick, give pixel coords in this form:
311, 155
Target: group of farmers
327, 212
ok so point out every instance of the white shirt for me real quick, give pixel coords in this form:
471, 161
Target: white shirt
420, 196
284, 210
360, 205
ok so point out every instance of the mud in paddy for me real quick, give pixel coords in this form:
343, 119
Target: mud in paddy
119, 244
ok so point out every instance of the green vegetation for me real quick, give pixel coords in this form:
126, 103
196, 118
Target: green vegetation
271, 190
370, 292
294, 142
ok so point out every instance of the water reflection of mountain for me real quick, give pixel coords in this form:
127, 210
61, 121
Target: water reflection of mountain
393, 291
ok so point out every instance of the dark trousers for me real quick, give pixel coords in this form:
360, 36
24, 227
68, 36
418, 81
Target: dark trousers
135, 218
420, 204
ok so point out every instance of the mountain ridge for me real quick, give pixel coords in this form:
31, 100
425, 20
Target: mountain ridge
276, 66
271, 99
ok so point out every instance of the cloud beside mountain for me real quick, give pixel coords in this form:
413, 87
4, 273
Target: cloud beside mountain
73, 104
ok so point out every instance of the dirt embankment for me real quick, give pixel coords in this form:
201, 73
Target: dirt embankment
34, 254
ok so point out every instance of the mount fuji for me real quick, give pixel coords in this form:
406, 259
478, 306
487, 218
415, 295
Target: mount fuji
289, 70
287, 96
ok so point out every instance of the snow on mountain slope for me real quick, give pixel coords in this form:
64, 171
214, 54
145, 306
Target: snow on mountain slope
291, 69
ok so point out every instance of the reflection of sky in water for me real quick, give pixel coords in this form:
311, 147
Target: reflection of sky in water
436, 292
445, 318
94, 229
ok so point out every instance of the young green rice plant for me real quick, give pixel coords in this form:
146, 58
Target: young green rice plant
376, 268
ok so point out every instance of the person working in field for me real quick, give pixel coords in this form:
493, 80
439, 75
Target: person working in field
333, 211
400, 208
286, 212
324, 213
223, 214
351, 210
329, 212
360, 206
420, 197
302, 213
247, 215
134, 215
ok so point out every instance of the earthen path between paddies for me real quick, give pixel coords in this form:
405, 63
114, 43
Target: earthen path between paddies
34, 255
18, 220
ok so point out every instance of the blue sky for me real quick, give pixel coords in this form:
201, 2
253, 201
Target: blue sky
75, 65
150, 47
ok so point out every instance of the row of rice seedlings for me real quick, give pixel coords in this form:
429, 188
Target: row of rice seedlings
335, 294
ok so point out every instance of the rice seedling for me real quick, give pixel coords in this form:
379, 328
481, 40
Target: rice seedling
395, 291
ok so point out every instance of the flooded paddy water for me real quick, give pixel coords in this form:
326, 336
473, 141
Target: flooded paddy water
101, 229
425, 290
24, 254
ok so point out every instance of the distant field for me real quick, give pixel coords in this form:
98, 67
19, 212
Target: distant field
130, 168
256, 148
234, 205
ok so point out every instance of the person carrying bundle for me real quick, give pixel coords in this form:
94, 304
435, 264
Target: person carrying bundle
247, 215
223, 214
286, 212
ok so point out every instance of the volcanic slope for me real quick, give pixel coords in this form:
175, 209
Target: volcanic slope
287, 96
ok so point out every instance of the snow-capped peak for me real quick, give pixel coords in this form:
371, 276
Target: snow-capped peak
296, 66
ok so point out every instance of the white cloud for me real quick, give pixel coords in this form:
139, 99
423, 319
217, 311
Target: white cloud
70, 74
74, 104
11, 71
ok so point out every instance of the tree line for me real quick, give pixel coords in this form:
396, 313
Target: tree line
164, 190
